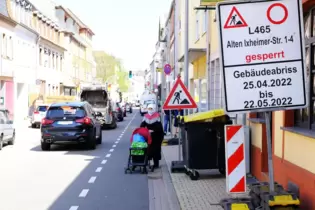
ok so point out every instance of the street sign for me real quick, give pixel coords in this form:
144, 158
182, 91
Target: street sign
262, 51
167, 69
179, 97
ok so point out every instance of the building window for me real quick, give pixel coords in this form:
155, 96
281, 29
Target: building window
40, 56
57, 62
197, 25
61, 60
53, 61
4, 45
205, 21
305, 117
10, 48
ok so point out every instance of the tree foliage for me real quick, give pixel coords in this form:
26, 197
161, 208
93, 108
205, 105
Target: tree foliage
110, 69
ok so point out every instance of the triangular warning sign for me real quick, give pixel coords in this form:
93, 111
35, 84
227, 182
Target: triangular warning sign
179, 97
235, 20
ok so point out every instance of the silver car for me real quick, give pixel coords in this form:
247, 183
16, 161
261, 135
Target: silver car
38, 115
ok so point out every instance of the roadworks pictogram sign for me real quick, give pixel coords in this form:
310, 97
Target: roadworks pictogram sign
235, 20
179, 97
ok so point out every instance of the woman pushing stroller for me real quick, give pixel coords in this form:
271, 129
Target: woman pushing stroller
152, 121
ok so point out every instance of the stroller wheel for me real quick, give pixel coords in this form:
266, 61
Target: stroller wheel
144, 170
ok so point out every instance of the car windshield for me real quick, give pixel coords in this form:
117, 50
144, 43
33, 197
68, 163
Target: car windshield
42, 108
149, 102
65, 111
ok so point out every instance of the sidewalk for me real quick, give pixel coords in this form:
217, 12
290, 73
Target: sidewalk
200, 194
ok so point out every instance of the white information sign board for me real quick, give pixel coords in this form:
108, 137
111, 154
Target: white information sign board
262, 55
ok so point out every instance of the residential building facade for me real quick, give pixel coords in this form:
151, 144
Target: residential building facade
7, 35
77, 38
25, 56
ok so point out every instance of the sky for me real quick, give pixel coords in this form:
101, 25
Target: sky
124, 28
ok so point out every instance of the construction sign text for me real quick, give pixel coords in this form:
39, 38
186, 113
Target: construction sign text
262, 51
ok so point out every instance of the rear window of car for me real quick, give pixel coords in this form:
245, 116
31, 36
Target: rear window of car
42, 108
65, 111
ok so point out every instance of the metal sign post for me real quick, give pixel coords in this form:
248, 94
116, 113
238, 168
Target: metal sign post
269, 150
262, 59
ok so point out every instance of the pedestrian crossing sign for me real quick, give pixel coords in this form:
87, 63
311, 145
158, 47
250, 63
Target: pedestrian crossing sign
235, 20
179, 97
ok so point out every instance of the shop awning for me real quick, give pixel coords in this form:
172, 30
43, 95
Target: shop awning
193, 54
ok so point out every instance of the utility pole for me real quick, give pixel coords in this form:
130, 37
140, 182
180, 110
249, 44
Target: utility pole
186, 61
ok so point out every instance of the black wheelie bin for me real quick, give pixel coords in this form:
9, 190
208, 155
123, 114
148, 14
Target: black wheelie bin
203, 146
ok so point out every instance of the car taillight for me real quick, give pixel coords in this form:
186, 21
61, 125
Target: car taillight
36, 112
85, 120
47, 121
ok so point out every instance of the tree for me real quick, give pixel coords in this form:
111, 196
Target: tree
110, 69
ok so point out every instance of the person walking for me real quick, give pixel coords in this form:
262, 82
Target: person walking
167, 125
152, 121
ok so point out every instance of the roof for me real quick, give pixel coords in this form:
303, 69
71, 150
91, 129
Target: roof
3, 8
75, 18
73, 103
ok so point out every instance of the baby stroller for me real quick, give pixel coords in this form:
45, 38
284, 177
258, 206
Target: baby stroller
139, 151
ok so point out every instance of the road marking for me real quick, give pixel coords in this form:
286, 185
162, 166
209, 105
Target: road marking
103, 162
108, 155
118, 139
83, 193
74, 208
116, 142
92, 179
111, 150
114, 145
98, 169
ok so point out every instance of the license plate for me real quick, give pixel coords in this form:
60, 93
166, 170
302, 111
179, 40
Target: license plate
64, 122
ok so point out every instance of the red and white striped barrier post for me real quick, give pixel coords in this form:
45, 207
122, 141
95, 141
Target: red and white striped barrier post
235, 159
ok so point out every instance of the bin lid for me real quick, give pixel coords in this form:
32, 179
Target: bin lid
203, 116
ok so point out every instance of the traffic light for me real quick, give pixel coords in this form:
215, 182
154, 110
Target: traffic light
130, 74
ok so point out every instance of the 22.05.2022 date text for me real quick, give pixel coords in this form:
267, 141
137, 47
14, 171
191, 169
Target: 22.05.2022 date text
285, 101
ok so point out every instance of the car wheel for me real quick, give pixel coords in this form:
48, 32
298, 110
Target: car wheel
114, 125
45, 146
1, 142
91, 143
12, 141
33, 125
99, 139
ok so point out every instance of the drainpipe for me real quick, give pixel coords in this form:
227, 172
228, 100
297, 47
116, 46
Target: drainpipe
208, 58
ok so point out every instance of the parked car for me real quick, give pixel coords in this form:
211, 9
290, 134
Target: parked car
38, 115
7, 129
128, 107
123, 107
70, 122
119, 112
137, 104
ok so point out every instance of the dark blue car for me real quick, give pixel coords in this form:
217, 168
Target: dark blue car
70, 122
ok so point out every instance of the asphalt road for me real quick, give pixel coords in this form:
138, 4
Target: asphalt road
69, 177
